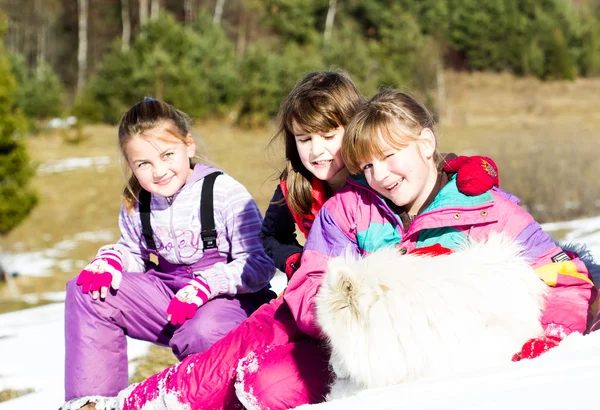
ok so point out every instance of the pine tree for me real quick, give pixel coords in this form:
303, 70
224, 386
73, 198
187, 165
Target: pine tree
17, 199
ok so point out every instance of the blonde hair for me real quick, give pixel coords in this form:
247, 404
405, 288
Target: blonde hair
396, 116
320, 101
143, 116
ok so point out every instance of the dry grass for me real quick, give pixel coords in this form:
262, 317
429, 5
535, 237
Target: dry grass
158, 358
6, 395
544, 136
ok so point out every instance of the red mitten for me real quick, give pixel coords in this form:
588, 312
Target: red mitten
474, 175
104, 271
433, 250
187, 300
292, 264
535, 347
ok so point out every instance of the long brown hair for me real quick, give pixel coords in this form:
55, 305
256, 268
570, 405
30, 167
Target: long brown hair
143, 116
396, 116
320, 101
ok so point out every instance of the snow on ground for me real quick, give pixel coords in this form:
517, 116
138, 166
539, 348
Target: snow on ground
563, 378
41, 263
32, 357
70, 164
582, 230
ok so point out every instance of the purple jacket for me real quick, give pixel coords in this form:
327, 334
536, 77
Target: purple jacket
176, 225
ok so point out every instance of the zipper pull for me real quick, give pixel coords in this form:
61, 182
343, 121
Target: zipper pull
170, 200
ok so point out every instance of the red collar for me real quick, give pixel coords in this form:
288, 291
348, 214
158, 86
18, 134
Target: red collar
319, 196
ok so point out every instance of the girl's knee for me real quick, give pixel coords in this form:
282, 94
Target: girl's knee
283, 376
75, 295
190, 339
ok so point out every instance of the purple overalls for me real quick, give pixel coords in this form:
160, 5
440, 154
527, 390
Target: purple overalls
96, 347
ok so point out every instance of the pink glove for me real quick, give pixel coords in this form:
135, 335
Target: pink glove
104, 271
187, 300
474, 175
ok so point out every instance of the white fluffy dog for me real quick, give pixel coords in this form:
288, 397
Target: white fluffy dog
392, 318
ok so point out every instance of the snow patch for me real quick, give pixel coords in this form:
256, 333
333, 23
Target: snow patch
41, 263
71, 164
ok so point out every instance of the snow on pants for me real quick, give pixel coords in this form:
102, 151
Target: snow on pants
96, 348
291, 367
284, 376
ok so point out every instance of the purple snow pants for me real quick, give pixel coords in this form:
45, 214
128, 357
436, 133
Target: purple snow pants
96, 348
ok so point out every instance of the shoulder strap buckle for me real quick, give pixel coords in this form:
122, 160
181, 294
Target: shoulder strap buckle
207, 217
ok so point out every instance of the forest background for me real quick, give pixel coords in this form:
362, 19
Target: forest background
517, 80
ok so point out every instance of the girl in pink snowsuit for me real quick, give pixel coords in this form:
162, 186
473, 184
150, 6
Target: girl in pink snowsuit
268, 362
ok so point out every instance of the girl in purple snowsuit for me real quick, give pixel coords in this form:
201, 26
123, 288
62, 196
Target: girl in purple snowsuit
182, 273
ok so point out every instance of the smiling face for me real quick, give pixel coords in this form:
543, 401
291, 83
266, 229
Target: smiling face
406, 176
320, 153
160, 161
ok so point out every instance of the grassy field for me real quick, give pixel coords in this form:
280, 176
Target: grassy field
545, 138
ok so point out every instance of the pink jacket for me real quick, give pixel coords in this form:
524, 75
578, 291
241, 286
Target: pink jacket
358, 220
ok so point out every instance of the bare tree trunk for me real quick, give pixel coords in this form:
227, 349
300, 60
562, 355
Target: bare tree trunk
441, 88
7, 277
18, 38
329, 21
241, 37
187, 10
154, 8
126, 36
83, 45
41, 51
143, 12
41, 37
218, 11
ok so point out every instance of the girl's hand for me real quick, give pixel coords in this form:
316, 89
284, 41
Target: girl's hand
474, 175
104, 271
187, 300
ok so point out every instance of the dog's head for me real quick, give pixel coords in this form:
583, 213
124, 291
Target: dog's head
349, 291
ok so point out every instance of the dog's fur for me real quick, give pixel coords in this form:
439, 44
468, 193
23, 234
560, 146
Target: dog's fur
391, 318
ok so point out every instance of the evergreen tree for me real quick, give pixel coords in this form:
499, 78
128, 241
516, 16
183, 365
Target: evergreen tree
194, 68
40, 94
16, 197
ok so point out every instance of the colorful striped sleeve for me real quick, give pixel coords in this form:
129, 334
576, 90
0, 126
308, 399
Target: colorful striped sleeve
325, 241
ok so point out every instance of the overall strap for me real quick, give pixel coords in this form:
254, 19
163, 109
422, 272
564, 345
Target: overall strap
207, 217
145, 217
145, 198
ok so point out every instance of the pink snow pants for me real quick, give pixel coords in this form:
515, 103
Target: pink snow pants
279, 368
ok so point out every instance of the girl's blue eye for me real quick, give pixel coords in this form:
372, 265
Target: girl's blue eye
142, 164
328, 137
304, 140
365, 167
